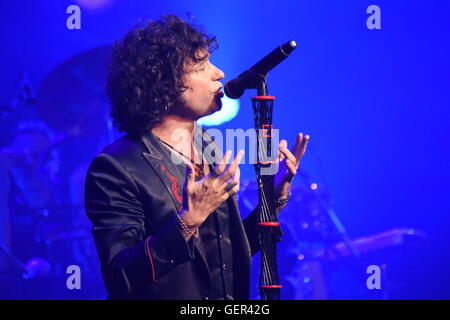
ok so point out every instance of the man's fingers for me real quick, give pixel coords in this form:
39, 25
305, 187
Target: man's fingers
291, 167
218, 170
224, 197
230, 171
233, 191
300, 146
231, 187
232, 183
237, 175
288, 155
297, 146
283, 144
190, 178
304, 144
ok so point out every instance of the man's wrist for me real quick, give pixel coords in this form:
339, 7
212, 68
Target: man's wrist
188, 229
282, 201
188, 219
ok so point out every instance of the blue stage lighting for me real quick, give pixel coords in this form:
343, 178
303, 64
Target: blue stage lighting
230, 109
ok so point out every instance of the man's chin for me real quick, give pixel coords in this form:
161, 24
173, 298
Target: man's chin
215, 106
212, 109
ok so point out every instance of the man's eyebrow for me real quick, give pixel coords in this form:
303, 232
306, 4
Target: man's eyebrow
205, 56
196, 62
201, 63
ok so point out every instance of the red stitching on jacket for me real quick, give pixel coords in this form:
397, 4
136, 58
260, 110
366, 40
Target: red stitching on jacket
175, 188
147, 247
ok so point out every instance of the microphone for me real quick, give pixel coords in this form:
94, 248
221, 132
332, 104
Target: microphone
251, 78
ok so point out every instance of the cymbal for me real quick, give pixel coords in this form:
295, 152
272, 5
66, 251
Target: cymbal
72, 98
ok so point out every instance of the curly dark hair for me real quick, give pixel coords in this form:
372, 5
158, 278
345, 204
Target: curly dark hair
146, 69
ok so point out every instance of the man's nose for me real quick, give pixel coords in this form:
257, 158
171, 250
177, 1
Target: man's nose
218, 74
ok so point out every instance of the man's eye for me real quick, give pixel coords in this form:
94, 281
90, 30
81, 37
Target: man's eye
202, 67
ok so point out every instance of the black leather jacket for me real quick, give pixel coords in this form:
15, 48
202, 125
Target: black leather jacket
132, 195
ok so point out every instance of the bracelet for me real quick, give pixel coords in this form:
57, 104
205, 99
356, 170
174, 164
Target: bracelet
185, 227
282, 202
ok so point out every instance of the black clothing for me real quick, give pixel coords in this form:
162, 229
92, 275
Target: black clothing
133, 192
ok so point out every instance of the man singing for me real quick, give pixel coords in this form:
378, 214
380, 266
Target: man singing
168, 229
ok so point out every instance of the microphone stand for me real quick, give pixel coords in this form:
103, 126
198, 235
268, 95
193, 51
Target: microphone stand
268, 225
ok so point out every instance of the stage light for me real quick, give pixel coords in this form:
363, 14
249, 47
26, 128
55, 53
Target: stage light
94, 4
230, 109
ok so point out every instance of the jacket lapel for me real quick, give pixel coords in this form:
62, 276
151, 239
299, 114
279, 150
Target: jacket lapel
171, 176
166, 170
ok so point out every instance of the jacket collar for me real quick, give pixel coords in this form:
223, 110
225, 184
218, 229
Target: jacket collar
170, 175
155, 155
154, 148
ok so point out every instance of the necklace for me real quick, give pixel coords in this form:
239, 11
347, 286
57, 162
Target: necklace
199, 171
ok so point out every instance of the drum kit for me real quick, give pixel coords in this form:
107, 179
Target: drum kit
48, 140
317, 259
305, 230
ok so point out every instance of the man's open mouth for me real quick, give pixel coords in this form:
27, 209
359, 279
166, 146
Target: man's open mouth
218, 98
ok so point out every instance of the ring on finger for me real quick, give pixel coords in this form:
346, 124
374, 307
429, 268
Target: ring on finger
230, 186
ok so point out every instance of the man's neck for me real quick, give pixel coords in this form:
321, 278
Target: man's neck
172, 129
178, 133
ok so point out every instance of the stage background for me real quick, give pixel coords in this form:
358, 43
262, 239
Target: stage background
375, 102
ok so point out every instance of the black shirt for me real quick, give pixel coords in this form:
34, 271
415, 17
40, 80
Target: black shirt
216, 243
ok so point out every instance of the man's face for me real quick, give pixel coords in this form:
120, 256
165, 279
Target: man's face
204, 90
